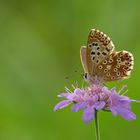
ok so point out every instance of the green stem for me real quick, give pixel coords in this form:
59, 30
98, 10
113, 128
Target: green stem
97, 132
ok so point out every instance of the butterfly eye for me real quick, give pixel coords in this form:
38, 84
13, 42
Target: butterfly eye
85, 75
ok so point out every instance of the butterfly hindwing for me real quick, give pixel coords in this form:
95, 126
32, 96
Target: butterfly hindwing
117, 66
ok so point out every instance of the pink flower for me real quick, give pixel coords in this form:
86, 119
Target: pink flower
97, 97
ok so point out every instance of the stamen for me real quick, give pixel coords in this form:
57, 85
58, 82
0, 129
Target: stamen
123, 87
125, 92
68, 90
135, 101
76, 84
73, 86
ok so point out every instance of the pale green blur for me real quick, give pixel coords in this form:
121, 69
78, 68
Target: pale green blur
39, 54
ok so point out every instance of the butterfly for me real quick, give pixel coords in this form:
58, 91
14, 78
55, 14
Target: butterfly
99, 59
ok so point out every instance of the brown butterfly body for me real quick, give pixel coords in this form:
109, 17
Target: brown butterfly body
100, 60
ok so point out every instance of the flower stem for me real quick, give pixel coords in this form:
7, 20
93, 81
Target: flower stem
97, 132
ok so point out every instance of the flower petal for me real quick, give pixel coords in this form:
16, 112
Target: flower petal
125, 98
78, 91
64, 95
99, 105
128, 115
62, 104
88, 114
113, 110
76, 107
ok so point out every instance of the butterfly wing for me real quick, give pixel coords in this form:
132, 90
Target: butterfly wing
98, 49
99, 58
83, 54
117, 66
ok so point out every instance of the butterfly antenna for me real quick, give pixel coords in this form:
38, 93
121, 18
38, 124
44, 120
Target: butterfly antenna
76, 84
73, 86
125, 92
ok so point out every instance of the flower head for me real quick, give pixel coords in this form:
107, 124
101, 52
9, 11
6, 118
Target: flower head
97, 97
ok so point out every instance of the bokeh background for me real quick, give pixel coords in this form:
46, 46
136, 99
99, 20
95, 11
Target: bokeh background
39, 56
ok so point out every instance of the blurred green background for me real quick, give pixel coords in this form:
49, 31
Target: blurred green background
39, 48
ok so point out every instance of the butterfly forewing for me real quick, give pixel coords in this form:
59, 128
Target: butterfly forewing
99, 48
117, 66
